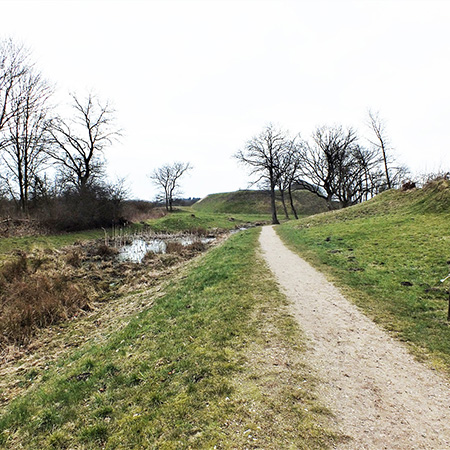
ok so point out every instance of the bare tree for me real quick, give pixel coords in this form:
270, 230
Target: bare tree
167, 178
263, 154
323, 164
79, 143
377, 125
357, 176
295, 159
13, 65
288, 166
25, 137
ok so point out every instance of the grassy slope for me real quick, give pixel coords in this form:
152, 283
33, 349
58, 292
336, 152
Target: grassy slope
194, 371
389, 254
187, 219
258, 202
28, 243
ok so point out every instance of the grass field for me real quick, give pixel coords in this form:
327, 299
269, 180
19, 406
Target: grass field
389, 255
27, 243
190, 220
215, 363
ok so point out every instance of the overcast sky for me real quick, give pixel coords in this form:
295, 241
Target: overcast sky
194, 80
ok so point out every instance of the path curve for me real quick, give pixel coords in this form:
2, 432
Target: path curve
380, 395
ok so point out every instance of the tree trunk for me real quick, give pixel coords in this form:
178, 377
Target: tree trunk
273, 205
329, 202
283, 202
291, 201
386, 166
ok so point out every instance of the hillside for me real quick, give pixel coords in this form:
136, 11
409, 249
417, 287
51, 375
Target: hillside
258, 202
389, 255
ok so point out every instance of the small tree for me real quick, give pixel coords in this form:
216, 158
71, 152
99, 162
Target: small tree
79, 143
167, 179
377, 125
263, 154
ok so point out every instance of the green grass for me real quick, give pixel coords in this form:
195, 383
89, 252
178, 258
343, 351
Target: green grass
389, 255
194, 371
187, 219
258, 202
28, 243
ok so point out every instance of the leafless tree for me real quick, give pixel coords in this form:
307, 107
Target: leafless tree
287, 171
263, 154
323, 163
167, 178
13, 65
26, 135
79, 142
377, 125
358, 176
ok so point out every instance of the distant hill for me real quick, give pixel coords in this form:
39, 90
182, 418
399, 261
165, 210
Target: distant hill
258, 202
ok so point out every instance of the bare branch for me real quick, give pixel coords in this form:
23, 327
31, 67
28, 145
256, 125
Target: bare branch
167, 179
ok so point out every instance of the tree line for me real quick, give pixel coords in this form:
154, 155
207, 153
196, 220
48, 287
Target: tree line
54, 166
333, 164
36, 141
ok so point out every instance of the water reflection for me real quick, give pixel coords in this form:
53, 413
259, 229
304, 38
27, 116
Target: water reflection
139, 247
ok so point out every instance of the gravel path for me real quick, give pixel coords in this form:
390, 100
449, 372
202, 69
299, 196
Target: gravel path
380, 395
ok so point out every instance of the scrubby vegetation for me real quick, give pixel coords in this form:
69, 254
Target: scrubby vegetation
43, 287
390, 254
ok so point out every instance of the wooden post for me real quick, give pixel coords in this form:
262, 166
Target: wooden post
448, 314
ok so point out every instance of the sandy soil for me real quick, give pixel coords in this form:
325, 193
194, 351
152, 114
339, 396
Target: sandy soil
379, 394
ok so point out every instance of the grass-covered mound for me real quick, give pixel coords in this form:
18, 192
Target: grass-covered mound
390, 254
258, 202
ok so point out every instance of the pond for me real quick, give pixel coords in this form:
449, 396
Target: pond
139, 247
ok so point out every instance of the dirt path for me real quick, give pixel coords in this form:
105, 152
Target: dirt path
381, 397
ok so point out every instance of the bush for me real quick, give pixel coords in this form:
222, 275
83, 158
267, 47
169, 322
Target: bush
93, 207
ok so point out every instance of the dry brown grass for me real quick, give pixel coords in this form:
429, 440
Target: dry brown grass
174, 247
34, 295
46, 287
196, 246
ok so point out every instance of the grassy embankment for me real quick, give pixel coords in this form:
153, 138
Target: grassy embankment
258, 202
216, 361
389, 255
28, 243
196, 219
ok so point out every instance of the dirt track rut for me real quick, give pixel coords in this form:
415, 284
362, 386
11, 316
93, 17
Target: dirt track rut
379, 394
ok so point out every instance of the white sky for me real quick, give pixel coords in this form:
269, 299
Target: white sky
194, 80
